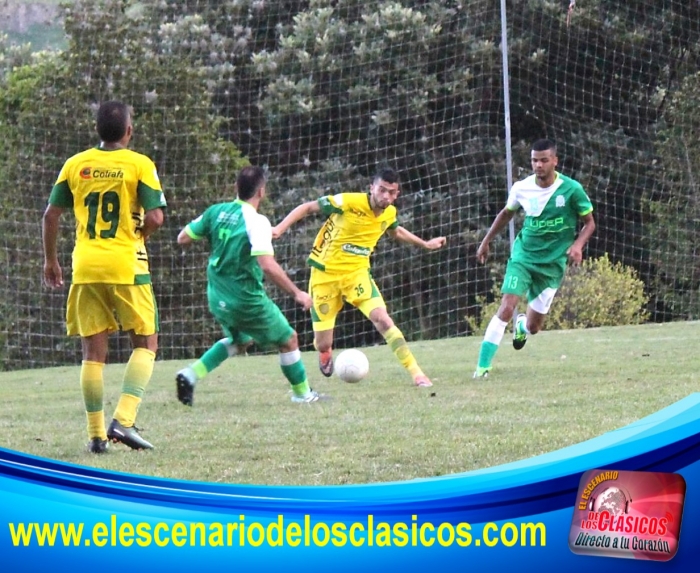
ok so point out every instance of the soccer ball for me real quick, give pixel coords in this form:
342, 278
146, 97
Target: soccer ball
351, 365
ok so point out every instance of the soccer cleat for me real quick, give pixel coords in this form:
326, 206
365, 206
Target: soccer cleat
185, 389
309, 398
97, 446
422, 381
482, 372
127, 436
325, 363
519, 336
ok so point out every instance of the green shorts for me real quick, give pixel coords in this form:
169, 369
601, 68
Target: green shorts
532, 279
261, 320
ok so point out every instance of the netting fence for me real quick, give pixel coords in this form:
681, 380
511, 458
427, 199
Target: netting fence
324, 92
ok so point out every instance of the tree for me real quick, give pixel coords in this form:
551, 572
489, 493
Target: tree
55, 96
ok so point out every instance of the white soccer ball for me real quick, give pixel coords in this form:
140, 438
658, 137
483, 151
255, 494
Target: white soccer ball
351, 365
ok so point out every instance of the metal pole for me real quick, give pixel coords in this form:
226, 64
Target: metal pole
506, 105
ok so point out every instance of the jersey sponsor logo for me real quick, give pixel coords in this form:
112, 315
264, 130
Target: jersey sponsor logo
560, 201
85, 173
355, 250
326, 236
546, 223
104, 174
231, 218
358, 213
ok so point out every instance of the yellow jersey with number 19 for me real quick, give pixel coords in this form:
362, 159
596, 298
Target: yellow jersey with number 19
349, 235
109, 192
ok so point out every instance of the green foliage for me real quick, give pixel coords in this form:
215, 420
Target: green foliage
173, 123
599, 293
596, 293
321, 92
673, 206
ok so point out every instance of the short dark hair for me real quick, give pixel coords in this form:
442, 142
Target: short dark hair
387, 174
112, 120
249, 180
544, 145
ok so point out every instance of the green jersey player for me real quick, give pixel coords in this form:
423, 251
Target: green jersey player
241, 253
553, 205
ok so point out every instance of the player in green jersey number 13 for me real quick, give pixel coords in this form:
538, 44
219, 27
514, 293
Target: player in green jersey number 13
553, 205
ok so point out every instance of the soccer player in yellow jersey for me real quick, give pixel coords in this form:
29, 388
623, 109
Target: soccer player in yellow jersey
340, 264
116, 197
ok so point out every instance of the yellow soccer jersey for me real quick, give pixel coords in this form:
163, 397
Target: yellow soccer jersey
109, 191
349, 235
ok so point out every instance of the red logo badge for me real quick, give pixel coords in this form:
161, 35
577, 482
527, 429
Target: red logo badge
633, 515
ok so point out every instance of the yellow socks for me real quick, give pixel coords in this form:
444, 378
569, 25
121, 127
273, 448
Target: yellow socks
394, 338
136, 377
92, 386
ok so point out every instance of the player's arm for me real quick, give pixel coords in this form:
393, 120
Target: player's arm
274, 272
184, 238
294, 216
151, 197
194, 230
575, 251
53, 275
152, 221
405, 236
499, 223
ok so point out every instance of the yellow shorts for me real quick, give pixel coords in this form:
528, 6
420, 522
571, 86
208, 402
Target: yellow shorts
93, 308
329, 292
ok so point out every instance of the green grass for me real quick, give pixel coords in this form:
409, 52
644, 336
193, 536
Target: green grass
564, 387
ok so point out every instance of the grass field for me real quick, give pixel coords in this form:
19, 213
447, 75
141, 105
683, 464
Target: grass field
564, 387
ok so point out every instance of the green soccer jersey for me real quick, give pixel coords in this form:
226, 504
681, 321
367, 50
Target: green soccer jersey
551, 218
237, 234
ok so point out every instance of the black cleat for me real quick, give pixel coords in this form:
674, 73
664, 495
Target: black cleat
325, 363
97, 446
127, 436
519, 337
185, 389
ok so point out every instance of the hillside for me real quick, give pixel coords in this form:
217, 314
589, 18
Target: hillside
33, 22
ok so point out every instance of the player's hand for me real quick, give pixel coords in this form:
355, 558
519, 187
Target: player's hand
575, 254
276, 232
304, 300
482, 253
436, 243
53, 274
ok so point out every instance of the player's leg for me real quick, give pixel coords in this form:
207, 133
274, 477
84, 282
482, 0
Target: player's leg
527, 323
89, 315
295, 372
235, 342
515, 284
270, 328
327, 302
92, 387
361, 291
545, 283
136, 308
